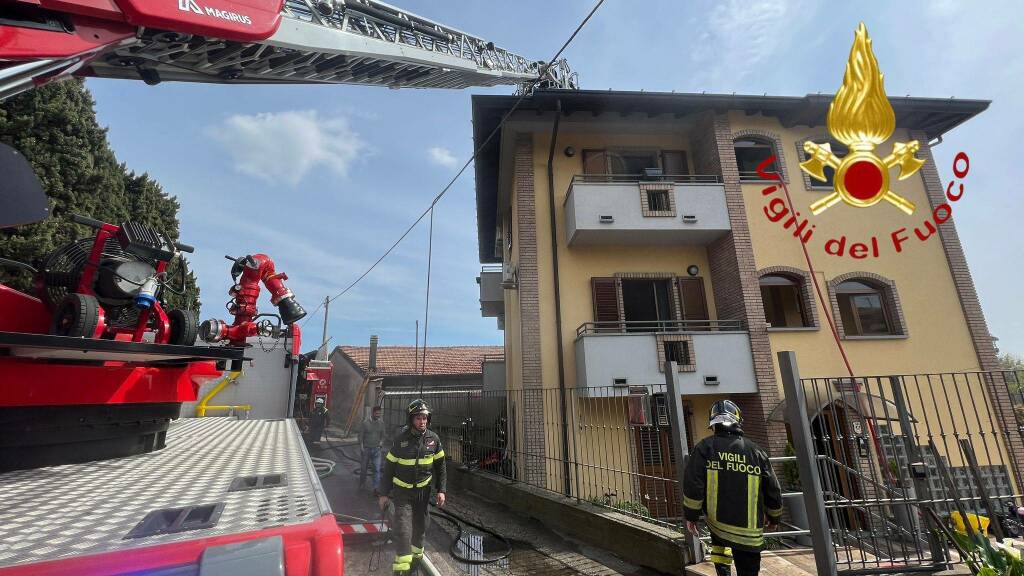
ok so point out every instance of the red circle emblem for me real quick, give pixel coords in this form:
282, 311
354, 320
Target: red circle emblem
863, 180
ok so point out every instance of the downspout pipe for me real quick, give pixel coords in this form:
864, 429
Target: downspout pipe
558, 298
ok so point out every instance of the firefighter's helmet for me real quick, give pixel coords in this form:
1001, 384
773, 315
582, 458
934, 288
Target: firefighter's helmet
726, 413
417, 406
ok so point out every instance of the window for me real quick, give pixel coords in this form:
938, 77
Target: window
673, 162
862, 309
630, 162
633, 162
783, 302
839, 149
647, 305
678, 352
750, 153
658, 201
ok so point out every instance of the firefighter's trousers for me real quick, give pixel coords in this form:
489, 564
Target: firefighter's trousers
724, 554
409, 525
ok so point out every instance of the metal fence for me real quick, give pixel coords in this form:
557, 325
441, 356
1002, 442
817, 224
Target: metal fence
617, 449
900, 458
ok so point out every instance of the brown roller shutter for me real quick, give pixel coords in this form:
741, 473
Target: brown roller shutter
695, 304
606, 302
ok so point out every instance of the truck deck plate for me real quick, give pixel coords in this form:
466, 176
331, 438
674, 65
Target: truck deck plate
49, 347
83, 509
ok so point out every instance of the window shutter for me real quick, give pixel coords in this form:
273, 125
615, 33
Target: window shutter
606, 301
695, 304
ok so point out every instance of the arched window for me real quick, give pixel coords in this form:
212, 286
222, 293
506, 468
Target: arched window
864, 308
750, 153
839, 149
784, 302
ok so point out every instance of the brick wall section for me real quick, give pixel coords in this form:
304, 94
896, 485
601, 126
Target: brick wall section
803, 278
889, 293
529, 313
957, 261
998, 393
734, 279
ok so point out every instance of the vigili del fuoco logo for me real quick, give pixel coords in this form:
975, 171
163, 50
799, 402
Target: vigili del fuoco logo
861, 117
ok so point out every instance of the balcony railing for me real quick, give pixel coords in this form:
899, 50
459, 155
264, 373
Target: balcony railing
637, 178
661, 326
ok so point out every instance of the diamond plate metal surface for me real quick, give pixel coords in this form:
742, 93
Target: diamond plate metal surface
81, 509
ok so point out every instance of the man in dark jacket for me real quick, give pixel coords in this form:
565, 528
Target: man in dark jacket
730, 480
318, 421
415, 460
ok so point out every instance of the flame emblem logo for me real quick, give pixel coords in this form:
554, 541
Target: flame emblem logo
861, 117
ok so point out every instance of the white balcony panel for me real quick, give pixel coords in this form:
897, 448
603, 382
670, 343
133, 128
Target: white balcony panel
492, 295
701, 215
604, 360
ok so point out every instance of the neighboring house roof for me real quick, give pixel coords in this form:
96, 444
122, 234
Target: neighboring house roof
405, 360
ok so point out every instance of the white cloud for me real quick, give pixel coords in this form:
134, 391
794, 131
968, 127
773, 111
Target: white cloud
284, 146
741, 37
442, 157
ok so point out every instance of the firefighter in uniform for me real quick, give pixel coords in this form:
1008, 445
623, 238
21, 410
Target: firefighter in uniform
415, 460
729, 479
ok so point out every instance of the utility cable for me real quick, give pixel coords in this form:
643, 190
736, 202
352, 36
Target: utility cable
828, 315
426, 309
527, 91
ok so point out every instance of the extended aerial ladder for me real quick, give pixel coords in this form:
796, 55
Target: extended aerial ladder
252, 42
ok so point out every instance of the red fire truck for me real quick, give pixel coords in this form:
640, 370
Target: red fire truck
95, 478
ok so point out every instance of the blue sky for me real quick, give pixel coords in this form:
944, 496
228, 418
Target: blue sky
325, 178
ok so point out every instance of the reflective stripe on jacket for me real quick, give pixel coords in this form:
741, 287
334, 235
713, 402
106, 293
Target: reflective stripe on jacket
730, 480
414, 461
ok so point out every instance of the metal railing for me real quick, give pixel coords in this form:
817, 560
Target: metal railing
661, 326
620, 448
645, 179
897, 457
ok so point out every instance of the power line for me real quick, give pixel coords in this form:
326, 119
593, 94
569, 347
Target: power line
504, 118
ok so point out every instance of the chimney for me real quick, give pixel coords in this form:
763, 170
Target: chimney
373, 354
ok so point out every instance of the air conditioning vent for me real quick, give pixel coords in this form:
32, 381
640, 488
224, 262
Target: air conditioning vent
620, 382
689, 218
509, 275
711, 380
606, 219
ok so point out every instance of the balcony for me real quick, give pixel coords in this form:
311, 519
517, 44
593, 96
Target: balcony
714, 356
619, 209
492, 295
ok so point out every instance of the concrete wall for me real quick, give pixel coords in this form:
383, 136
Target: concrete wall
587, 202
638, 542
265, 384
601, 358
345, 382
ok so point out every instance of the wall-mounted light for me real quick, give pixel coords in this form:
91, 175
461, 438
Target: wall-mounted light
570, 151
693, 270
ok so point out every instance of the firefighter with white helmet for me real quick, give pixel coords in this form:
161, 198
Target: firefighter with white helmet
415, 461
729, 480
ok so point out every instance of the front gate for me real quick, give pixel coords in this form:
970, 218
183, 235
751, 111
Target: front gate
888, 463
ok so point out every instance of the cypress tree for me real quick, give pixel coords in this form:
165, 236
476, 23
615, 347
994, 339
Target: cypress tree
55, 128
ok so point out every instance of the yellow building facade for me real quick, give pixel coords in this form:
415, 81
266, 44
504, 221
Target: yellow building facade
632, 228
